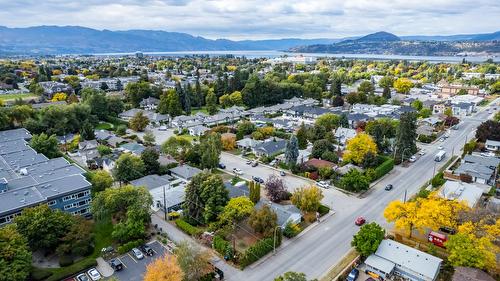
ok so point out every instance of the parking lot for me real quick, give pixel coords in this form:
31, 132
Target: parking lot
134, 269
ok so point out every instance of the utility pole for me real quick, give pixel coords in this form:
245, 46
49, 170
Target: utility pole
404, 200
165, 204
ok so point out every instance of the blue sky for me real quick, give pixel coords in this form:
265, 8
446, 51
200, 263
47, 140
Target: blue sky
262, 19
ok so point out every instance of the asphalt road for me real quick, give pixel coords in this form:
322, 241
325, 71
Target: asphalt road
324, 246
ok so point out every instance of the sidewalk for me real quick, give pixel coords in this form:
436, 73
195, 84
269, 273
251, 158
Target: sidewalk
104, 268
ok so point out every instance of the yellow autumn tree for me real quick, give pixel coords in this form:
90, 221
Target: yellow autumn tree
165, 268
59, 97
403, 215
358, 147
228, 142
403, 85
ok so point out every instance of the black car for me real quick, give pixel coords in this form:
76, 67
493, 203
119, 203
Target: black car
146, 250
353, 275
219, 274
116, 264
222, 166
254, 164
257, 179
388, 187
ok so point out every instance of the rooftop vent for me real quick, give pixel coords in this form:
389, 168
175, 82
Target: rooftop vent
23, 171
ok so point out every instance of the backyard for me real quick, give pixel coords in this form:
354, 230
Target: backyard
6, 97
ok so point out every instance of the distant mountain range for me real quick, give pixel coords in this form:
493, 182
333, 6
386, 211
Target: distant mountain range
48, 40
384, 43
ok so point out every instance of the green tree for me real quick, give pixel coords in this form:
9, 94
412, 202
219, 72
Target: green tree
97, 102
15, 255
87, 131
211, 101
354, 181
100, 180
136, 91
254, 189
292, 151
176, 146
236, 209
225, 101
329, 121
407, 135
149, 138
150, 159
302, 136
211, 147
417, 104
366, 88
43, 227
468, 250
78, 240
291, 276
48, 146
139, 122
236, 98
386, 82
170, 104
307, 199
368, 238
263, 220
129, 167
320, 147
488, 130
194, 262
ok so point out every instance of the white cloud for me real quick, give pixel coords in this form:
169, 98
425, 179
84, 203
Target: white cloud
246, 19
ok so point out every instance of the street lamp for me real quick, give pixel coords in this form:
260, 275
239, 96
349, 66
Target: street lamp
274, 239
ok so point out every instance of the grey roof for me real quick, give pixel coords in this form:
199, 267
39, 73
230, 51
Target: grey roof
185, 171
491, 162
380, 263
133, 147
151, 181
271, 147
410, 258
283, 212
237, 190
475, 170
492, 143
14, 134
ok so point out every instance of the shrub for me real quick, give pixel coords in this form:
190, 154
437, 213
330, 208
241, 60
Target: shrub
438, 180
65, 260
384, 168
72, 269
291, 230
323, 210
129, 245
220, 244
186, 227
258, 250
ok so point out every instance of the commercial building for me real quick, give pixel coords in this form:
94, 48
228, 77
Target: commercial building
28, 179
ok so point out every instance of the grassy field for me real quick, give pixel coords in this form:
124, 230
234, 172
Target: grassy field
104, 126
6, 97
201, 109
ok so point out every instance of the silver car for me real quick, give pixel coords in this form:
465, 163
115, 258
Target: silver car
138, 254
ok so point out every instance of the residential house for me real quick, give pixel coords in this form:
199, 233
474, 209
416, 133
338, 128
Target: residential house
462, 109
153, 117
149, 103
492, 145
454, 89
238, 190
344, 134
29, 179
184, 172
198, 130
461, 273
395, 259
346, 168
439, 108
430, 121
51, 87
247, 143
271, 147
132, 147
481, 169
285, 213
461, 191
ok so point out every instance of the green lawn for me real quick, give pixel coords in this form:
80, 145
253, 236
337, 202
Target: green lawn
188, 137
201, 109
104, 126
15, 96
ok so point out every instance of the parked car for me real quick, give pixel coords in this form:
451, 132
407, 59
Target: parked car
222, 166
440, 148
442, 139
116, 264
359, 221
138, 254
237, 171
273, 163
413, 158
162, 128
421, 152
94, 274
257, 179
255, 163
249, 162
82, 277
147, 250
388, 187
282, 173
353, 275
323, 184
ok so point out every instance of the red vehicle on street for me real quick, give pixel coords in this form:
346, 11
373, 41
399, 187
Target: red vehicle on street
437, 238
360, 221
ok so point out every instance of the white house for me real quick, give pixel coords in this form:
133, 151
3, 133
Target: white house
492, 145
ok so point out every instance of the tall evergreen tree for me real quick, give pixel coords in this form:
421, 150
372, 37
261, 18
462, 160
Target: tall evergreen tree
187, 99
344, 121
302, 137
198, 94
292, 151
406, 135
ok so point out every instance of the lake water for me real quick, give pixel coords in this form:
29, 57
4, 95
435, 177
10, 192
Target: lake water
274, 54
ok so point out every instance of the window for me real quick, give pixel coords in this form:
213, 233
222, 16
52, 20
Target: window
51, 203
76, 195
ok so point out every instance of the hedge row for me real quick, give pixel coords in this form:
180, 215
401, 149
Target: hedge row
129, 245
383, 168
258, 250
323, 210
186, 227
220, 244
62, 273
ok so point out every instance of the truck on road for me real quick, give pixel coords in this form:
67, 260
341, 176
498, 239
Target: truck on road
440, 155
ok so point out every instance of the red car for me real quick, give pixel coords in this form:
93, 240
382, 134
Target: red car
360, 221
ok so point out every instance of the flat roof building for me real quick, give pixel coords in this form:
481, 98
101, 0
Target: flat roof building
28, 179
